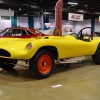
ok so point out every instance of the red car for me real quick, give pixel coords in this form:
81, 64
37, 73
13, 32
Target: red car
20, 33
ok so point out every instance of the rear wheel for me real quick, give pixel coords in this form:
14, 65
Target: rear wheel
42, 64
96, 56
7, 64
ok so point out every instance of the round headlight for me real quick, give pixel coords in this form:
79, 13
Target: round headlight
29, 46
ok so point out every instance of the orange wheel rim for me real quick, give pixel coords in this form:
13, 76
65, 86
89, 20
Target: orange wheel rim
44, 64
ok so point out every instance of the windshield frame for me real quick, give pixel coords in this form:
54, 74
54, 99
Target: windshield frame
2, 33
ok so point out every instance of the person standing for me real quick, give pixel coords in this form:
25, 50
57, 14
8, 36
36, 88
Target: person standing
56, 32
71, 30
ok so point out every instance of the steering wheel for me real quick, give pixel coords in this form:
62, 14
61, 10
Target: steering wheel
81, 35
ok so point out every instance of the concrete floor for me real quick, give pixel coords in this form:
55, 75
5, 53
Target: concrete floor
79, 81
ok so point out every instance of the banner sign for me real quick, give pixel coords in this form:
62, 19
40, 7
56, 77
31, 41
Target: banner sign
6, 12
75, 17
47, 25
58, 15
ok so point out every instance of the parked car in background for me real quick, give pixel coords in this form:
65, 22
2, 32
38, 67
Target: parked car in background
20, 33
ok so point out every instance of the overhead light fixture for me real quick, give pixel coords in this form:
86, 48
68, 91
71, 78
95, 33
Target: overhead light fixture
73, 3
82, 11
9, 8
24, 14
45, 12
19, 8
25, 4
86, 6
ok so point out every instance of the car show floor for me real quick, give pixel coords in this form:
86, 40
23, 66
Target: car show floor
77, 81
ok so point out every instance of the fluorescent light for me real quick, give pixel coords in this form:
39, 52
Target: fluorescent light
24, 14
73, 3
25, 4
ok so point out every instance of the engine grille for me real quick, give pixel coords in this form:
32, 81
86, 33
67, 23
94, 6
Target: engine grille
4, 53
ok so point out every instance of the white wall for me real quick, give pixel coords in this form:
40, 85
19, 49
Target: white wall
80, 25
67, 25
52, 23
22, 21
75, 26
4, 23
97, 25
37, 23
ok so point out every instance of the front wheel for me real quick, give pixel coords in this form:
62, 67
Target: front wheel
42, 64
7, 64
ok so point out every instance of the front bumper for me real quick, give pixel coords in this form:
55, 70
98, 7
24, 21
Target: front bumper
15, 54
